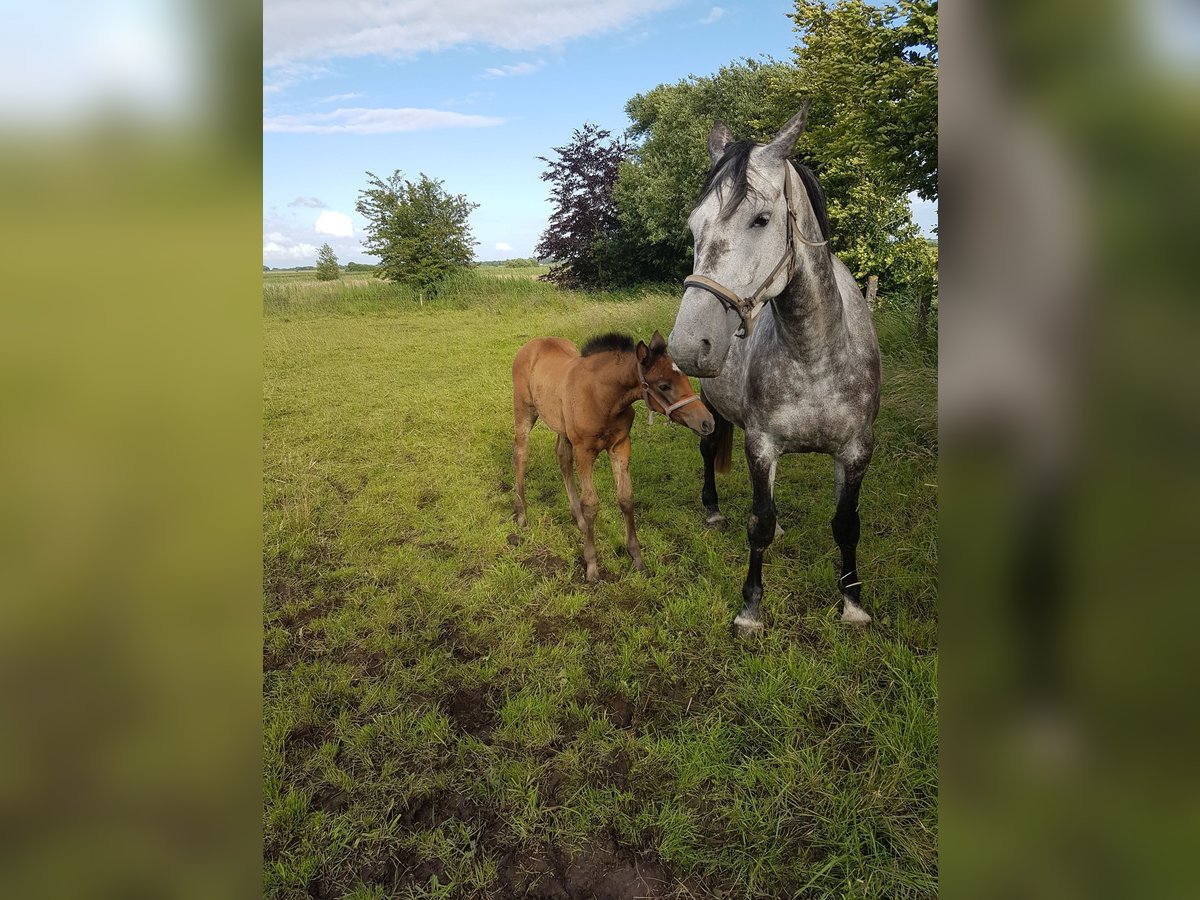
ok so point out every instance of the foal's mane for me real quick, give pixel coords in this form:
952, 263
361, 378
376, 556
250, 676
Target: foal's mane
734, 165
603, 343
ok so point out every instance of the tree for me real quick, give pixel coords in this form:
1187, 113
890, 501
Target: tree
872, 75
327, 264
420, 233
584, 222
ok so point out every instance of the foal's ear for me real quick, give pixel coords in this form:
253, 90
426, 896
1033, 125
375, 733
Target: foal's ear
784, 143
658, 343
642, 351
718, 138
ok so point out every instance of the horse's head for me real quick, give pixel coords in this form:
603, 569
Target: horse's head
668, 390
742, 228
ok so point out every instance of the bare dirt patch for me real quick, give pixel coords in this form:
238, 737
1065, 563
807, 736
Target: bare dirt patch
544, 563
470, 709
548, 629
619, 709
601, 870
462, 646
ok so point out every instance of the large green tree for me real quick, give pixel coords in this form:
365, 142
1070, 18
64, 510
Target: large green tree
871, 73
420, 233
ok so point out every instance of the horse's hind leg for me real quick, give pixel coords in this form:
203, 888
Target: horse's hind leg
848, 476
589, 504
709, 447
566, 462
523, 420
618, 456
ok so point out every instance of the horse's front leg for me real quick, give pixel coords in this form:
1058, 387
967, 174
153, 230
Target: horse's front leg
848, 476
619, 457
761, 457
589, 503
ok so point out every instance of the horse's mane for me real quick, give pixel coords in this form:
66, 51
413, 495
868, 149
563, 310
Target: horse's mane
605, 342
734, 164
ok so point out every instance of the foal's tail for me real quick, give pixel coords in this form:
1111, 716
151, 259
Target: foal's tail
724, 436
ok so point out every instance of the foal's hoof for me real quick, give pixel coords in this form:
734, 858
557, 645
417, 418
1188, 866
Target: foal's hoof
639, 566
746, 627
593, 574
853, 614
520, 520
778, 531
715, 521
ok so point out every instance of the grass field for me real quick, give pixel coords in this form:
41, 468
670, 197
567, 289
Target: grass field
451, 711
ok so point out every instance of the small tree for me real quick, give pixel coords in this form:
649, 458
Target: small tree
584, 222
419, 232
327, 264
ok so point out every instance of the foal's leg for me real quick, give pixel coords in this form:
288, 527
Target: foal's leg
708, 449
761, 457
566, 462
619, 457
589, 504
523, 419
848, 476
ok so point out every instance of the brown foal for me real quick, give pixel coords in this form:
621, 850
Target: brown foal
588, 399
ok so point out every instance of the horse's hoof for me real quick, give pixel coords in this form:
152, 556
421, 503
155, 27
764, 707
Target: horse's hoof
746, 627
853, 614
778, 531
593, 575
715, 521
520, 520
639, 566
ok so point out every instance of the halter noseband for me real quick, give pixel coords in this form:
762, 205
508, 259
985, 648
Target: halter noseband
748, 307
648, 391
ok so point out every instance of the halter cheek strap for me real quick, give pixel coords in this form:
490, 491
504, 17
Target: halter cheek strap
749, 307
649, 391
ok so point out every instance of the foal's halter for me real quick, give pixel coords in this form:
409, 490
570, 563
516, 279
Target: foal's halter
648, 391
748, 307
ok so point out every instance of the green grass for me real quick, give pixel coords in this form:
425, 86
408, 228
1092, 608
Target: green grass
451, 711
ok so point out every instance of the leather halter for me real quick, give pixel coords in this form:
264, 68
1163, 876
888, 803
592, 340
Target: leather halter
648, 391
749, 307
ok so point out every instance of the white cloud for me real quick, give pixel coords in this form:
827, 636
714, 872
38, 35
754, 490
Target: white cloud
284, 76
713, 14
500, 245
524, 68
316, 29
335, 223
310, 202
288, 251
374, 121
338, 98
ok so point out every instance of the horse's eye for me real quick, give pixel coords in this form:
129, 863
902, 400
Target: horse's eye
760, 221
664, 386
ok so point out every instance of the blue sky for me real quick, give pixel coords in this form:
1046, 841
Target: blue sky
470, 92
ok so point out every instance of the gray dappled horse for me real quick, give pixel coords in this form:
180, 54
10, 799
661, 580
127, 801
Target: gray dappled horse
780, 335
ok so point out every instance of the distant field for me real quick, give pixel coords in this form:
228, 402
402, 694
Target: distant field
451, 711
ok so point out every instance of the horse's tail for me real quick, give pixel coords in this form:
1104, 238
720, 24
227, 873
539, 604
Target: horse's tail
724, 444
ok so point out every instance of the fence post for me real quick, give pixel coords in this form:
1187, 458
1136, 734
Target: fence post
923, 303
872, 290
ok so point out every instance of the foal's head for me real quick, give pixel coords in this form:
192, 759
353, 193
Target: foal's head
668, 390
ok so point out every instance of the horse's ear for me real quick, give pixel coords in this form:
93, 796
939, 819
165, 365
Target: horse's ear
718, 138
642, 351
658, 343
784, 143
